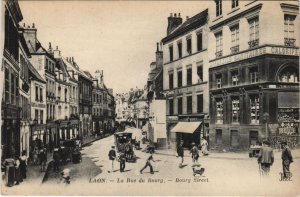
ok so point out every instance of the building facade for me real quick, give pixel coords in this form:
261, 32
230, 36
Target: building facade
185, 77
254, 74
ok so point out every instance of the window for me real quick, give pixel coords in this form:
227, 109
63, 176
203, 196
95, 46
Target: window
219, 81
289, 74
254, 77
13, 86
170, 80
254, 32
66, 95
254, 108
219, 44
219, 114
234, 3
200, 103
179, 45
41, 95
218, 7
199, 41
41, 116
171, 53
200, 72
289, 37
234, 78
179, 78
234, 138
189, 45
36, 115
234, 39
189, 104
179, 105
36, 93
171, 107
7, 85
218, 137
189, 76
235, 109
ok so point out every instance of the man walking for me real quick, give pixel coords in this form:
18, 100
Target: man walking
56, 158
122, 162
148, 163
265, 158
180, 153
195, 153
112, 157
287, 159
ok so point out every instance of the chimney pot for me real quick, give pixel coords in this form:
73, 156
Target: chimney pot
179, 15
72, 59
175, 15
24, 25
50, 45
33, 26
171, 14
157, 49
56, 47
187, 17
67, 59
28, 26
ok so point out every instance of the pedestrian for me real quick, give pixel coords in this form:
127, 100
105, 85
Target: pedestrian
122, 162
265, 158
56, 158
195, 153
148, 163
287, 159
180, 153
112, 157
18, 177
35, 155
43, 159
23, 164
204, 145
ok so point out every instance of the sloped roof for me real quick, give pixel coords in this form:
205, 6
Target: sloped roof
191, 23
34, 73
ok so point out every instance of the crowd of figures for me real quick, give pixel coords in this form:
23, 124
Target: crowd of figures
266, 159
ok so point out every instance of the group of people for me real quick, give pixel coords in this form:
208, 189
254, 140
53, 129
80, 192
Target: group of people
266, 159
194, 151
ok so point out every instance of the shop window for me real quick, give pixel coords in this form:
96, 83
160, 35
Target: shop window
189, 45
189, 76
234, 138
179, 78
219, 137
289, 37
200, 72
218, 7
254, 32
199, 103
234, 78
219, 81
171, 107
234, 3
171, 53
219, 114
199, 41
254, 76
171, 80
235, 109
254, 109
253, 138
189, 103
179, 46
289, 74
179, 105
235, 39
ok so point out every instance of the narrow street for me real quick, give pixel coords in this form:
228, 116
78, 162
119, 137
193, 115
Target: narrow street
223, 171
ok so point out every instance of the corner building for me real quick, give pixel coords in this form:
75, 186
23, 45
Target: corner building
254, 73
185, 77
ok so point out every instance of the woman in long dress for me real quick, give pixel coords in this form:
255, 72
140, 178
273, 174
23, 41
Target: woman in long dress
204, 145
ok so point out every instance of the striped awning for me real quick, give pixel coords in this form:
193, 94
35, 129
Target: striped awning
186, 127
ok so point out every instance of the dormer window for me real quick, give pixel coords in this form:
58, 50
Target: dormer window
218, 7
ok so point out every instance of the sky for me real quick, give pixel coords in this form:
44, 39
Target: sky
118, 37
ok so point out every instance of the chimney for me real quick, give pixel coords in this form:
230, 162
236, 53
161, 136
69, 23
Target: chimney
173, 22
50, 49
56, 53
30, 36
72, 59
187, 17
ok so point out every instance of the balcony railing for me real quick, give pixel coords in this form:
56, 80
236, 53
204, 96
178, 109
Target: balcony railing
235, 49
253, 43
219, 54
289, 42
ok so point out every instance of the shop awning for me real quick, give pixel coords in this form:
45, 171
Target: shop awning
186, 127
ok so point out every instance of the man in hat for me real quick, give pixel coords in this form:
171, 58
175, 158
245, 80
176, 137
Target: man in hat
265, 158
180, 153
112, 157
287, 159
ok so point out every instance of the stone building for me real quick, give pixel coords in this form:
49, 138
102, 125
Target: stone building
254, 72
185, 77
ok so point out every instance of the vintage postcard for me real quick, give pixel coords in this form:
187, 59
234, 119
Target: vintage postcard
165, 98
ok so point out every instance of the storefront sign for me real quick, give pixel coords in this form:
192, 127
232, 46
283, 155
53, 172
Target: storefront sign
254, 53
172, 118
40, 105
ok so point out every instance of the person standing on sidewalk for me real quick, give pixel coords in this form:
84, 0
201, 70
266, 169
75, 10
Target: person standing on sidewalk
265, 158
23, 164
287, 159
18, 177
204, 145
122, 162
112, 157
43, 158
148, 163
56, 158
195, 153
180, 153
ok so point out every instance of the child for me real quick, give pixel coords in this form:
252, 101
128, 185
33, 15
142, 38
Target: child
112, 156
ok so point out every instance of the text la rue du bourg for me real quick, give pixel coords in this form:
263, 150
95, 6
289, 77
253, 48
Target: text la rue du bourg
148, 180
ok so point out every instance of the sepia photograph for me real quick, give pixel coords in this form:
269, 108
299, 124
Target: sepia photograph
150, 98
